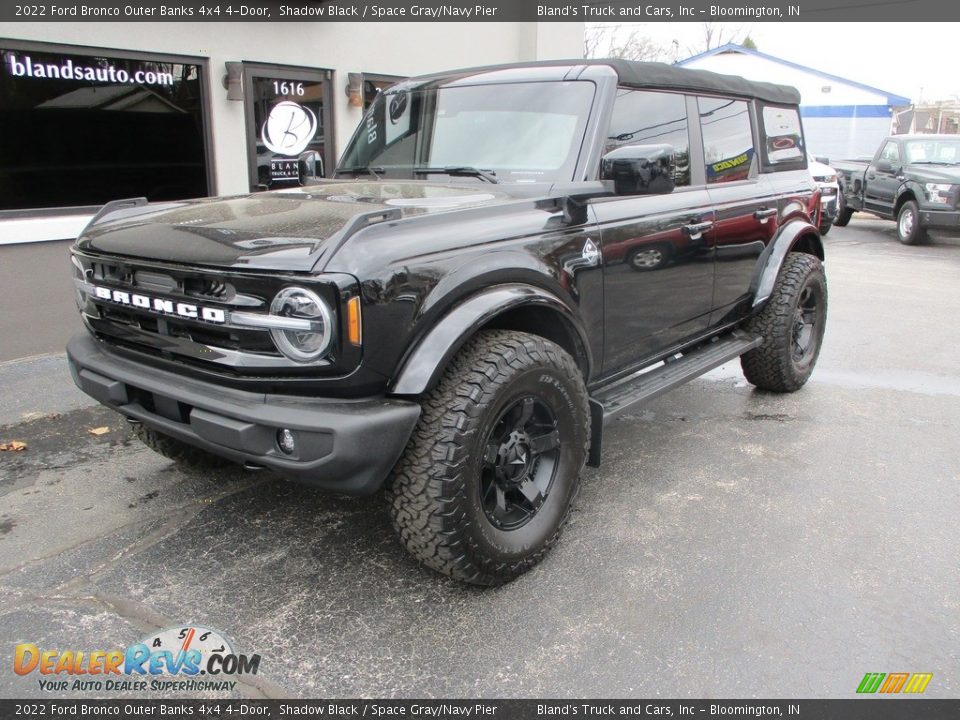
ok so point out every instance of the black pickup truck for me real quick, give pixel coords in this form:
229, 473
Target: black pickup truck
507, 257
913, 179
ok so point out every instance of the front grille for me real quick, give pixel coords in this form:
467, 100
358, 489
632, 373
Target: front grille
192, 340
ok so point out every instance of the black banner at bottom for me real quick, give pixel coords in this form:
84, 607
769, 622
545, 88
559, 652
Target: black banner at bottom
853, 709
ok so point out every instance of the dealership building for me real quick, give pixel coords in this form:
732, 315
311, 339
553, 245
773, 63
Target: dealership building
93, 112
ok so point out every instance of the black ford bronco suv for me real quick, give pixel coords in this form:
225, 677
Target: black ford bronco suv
507, 257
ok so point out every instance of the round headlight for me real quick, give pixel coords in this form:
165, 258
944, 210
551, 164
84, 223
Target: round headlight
307, 340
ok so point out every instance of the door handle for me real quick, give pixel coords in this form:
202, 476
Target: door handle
695, 230
764, 213
871, 176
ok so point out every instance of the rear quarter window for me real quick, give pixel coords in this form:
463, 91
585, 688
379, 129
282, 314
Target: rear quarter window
782, 138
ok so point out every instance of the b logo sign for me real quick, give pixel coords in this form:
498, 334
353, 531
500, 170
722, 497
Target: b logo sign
289, 128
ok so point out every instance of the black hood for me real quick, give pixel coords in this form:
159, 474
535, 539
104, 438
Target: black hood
289, 230
926, 172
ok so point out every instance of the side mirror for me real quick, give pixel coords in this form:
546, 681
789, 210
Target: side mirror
884, 166
640, 169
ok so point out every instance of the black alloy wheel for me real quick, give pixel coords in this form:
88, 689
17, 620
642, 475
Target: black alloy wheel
520, 463
803, 338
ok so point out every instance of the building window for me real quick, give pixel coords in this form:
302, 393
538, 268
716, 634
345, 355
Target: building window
727, 139
641, 117
289, 125
81, 129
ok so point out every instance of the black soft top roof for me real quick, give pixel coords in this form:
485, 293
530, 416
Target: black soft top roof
655, 75
644, 74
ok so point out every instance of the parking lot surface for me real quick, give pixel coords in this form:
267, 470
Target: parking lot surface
733, 544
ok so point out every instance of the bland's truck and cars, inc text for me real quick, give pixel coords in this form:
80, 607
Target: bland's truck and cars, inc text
506, 258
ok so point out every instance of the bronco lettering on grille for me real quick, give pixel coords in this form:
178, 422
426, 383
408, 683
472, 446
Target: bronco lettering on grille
166, 307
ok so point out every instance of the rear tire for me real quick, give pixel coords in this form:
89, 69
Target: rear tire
792, 325
488, 477
180, 452
909, 231
825, 227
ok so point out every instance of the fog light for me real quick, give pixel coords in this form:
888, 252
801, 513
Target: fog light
286, 441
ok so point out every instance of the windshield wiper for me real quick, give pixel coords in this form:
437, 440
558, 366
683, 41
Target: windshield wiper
363, 170
464, 170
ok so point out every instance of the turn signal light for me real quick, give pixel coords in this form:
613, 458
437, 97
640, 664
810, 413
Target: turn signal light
353, 321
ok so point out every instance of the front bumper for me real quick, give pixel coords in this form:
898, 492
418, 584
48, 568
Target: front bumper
828, 202
940, 219
347, 446
828, 208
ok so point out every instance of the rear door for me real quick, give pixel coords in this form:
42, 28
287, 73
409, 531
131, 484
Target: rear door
657, 249
746, 205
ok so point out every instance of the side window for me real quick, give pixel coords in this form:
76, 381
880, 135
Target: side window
782, 138
891, 153
727, 139
644, 117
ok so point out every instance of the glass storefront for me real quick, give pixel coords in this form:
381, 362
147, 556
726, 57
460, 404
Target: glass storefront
288, 125
82, 128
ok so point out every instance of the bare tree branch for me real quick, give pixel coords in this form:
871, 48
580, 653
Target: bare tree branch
617, 41
717, 34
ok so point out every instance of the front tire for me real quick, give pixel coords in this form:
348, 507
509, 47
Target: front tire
489, 475
843, 212
909, 231
180, 452
792, 325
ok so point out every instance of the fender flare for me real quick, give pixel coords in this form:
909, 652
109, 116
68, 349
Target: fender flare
768, 267
422, 366
911, 188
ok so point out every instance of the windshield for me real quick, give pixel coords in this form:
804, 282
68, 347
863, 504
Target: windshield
937, 152
520, 132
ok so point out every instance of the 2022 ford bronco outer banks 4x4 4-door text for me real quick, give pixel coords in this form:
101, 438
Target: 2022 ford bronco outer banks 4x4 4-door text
507, 257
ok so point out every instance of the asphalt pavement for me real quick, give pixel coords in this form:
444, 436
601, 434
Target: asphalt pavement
734, 543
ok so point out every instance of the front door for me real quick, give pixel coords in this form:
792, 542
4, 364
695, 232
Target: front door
657, 249
883, 183
658, 272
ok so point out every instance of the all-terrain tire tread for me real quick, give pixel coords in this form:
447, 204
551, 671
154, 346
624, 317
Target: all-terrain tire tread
768, 366
423, 500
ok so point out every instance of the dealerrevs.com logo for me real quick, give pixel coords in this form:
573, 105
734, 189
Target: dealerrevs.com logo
187, 659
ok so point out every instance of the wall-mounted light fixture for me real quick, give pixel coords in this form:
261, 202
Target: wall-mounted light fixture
233, 80
354, 89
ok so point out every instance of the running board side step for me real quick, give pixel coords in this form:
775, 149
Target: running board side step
675, 371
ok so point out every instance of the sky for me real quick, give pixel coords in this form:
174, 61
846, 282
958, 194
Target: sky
900, 58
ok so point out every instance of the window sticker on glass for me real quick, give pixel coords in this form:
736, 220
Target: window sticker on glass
783, 137
289, 128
